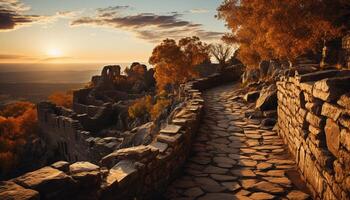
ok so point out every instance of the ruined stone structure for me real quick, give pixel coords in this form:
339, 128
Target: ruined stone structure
140, 172
94, 126
314, 121
346, 47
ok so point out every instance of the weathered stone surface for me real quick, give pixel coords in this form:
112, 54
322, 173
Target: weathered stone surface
297, 195
268, 187
61, 165
193, 192
12, 191
332, 131
261, 196
136, 153
121, 174
331, 111
344, 101
171, 129
86, 173
50, 182
267, 99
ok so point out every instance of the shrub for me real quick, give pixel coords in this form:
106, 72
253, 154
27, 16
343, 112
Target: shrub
62, 99
158, 108
140, 107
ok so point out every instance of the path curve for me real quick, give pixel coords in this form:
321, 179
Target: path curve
234, 158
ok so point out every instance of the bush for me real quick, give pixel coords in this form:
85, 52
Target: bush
158, 108
16, 127
62, 99
140, 107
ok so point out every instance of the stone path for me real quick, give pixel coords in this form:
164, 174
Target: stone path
234, 158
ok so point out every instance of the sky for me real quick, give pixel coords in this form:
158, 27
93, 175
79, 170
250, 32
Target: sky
95, 31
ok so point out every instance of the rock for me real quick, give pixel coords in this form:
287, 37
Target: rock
50, 182
209, 184
132, 153
12, 191
61, 165
267, 99
87, 174
344, 101
264, 166
332, 131
331, 89
232, 186
297, 195
193, 192
171, 129
250, 76
268, 187
261, 196
251, 96
331, 111
142, 135
121, 174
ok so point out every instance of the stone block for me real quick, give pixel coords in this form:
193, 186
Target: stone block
332, 131
87, 174
331, 111
170, 140
132, 153
11, 191
314, 120
61, 165
330, 89
307, 87
159, 145
344, 101
121, 174
345, 138
51, 183
316, 76
314, 107
251, 96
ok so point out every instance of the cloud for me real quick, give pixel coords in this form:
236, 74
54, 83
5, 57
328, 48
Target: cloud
12, 15
199, 10
10, 56
148, 26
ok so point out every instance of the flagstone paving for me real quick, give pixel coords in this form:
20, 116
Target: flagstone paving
235, 158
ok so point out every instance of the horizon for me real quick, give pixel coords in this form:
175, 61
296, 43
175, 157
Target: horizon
37, 32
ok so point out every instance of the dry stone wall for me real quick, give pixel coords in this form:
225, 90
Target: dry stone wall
141, 172
314, 121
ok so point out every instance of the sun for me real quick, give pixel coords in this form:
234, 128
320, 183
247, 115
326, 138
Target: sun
54, 52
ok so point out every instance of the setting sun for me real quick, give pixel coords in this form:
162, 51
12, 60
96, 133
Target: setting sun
54, 53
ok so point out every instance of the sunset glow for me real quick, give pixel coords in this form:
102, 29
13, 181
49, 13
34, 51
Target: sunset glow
88, 31
54, 53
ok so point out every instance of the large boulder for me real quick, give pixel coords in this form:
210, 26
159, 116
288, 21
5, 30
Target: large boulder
267, 99
11, 191
87, 174
51, 183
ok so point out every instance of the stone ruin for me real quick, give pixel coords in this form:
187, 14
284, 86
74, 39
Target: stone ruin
96, 123
141, 172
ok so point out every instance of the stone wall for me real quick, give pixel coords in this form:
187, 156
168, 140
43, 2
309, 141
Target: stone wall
314, 121
141, 172
346, 47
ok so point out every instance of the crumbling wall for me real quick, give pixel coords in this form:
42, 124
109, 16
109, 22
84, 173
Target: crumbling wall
314, 121
141, 172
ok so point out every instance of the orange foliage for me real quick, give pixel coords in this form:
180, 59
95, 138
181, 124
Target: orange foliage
174, 63
157, 108
140, 107
15, 129
269, 29
62, 99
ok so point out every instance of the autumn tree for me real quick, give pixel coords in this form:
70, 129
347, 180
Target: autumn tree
64, 99
18, 124
274, 29
174, 62
221, 53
